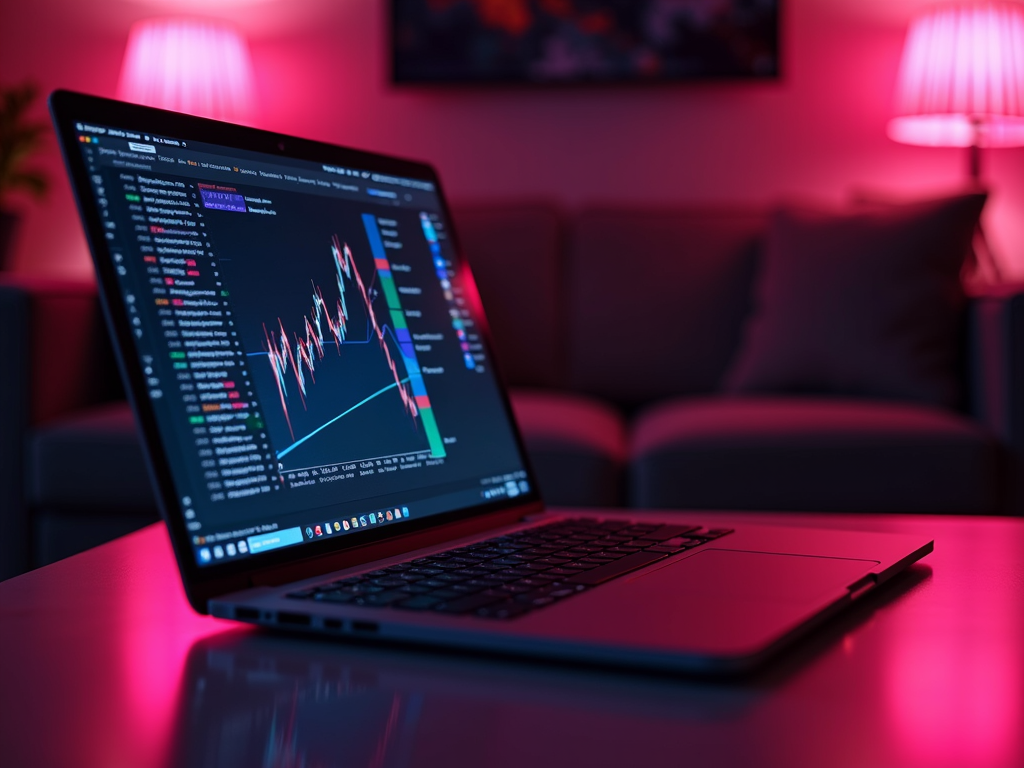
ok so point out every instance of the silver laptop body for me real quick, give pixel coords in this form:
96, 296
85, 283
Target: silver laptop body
331, 445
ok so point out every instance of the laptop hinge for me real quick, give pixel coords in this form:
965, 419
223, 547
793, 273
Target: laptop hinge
349, 558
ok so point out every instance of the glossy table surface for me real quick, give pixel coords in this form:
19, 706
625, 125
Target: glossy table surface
102, 663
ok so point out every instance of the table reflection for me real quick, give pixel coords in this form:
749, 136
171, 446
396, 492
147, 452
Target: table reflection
275, 701
953, 688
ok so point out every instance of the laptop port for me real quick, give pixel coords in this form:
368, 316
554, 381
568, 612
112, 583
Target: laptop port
295, 619
332, 624
247, 614
364, 626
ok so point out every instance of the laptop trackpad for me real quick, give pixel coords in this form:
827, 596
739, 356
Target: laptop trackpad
724, 574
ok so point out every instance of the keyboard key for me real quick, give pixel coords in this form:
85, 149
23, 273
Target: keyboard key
665, 549
418, 603
517, 589
334, 596
363, 589
562, 571
684, 542
540, 578
483, 583
617, 568
446, 594
426, 571
450, 565
519, 571
451, 578
471, 572
509, 561
390, 581
545, 591
536, 581
492, 566
665, 532
638, 530
380, 598
415, 589
471, 602
525, 557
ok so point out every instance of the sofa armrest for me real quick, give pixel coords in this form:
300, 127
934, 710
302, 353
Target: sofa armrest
54, 359
996, 362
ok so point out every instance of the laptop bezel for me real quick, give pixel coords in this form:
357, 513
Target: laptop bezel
202, 583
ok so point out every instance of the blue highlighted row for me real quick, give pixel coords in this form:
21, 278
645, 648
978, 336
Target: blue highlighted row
267, 541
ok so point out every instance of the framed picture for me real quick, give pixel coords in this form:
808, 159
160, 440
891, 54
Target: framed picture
582, 41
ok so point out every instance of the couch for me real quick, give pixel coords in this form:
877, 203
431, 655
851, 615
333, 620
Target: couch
615, 328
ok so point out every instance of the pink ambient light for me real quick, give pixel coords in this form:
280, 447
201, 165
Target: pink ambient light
196, 66
961, 80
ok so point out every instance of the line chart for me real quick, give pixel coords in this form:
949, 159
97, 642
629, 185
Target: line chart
326, 424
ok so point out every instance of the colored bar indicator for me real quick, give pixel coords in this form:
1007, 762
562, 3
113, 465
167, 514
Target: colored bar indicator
412, 366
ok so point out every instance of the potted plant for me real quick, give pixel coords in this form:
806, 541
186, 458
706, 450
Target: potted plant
20, 138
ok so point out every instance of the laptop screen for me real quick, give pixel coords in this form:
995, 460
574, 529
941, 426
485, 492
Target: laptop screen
312, 355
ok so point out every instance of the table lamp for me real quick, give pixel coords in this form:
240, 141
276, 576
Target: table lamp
961, 84
197, 66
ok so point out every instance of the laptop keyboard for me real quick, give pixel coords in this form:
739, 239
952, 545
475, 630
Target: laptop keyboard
508, 576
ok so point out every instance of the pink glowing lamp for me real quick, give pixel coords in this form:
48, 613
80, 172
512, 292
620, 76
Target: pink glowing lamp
961, 84
961, 81
197, 66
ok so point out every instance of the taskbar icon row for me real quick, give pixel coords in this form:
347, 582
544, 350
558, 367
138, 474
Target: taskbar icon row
380, 517
219, 552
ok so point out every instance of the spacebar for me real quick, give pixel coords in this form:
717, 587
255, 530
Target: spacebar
617, 568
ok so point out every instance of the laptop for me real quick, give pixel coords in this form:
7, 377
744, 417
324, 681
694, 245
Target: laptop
329, 439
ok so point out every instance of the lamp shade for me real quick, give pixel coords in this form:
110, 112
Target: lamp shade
196, 66
961, 80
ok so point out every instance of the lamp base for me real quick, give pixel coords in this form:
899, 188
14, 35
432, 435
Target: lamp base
985, 269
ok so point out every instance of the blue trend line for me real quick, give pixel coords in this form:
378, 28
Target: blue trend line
365, 400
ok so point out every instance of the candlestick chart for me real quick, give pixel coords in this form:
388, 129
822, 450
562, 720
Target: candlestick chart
299, 356
343, 367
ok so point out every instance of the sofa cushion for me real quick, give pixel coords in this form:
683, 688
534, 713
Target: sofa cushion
93, 459
577, 447
515, 253
658, 298
863, 304
812, 454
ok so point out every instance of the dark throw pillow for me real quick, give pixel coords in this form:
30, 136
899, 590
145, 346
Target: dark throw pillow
861, 304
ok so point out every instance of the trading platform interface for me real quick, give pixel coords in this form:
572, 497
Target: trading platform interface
313, 362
